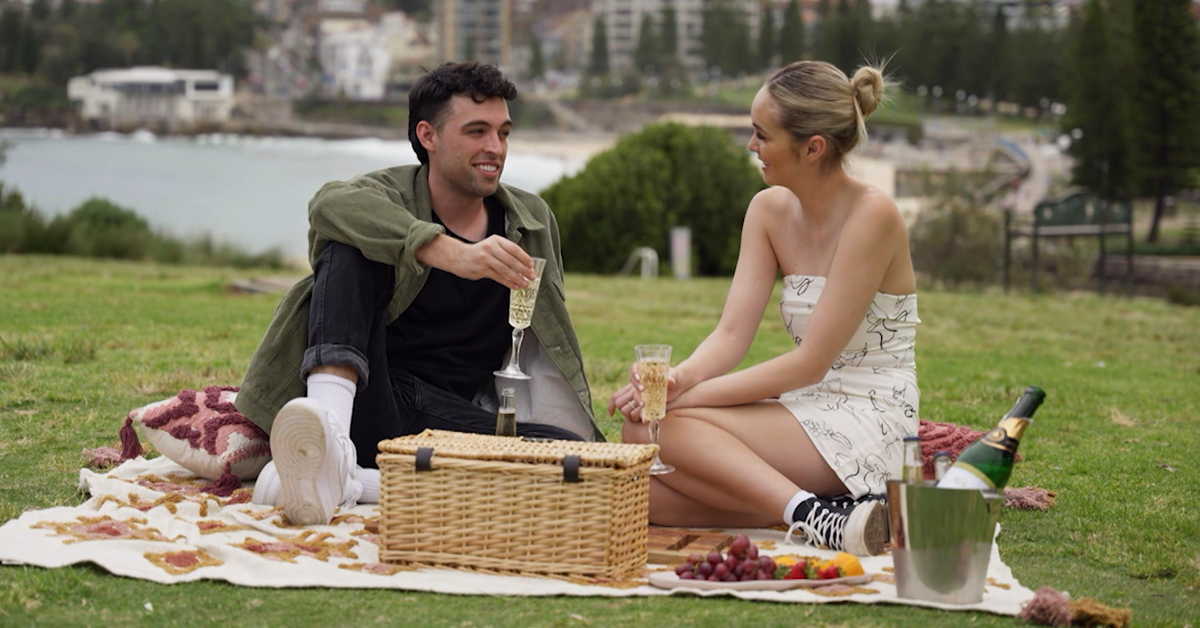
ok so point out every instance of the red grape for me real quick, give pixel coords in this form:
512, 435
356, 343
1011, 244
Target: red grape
720, 570
704, 569
682, 569
714, 557
767, 564
752, 552
694, 558
738, 546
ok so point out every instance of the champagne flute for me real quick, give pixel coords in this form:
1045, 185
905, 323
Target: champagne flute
653, 366
520, 315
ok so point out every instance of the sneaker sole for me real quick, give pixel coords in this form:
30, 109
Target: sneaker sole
872, 519
298, 447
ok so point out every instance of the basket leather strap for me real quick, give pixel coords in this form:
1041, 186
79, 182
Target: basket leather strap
424, 458
571, 469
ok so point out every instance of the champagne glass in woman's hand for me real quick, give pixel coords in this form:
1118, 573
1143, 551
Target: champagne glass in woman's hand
653, 367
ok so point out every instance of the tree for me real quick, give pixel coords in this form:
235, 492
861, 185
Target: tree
669, 34
30, 52
537, 64
469, 49
40, 10
1098, 107
825, 35
766, 37
598, 66
1167, 99
10, 39
844, 48
66, 9
791, 34
673, 77
861, 32
646, 55
725, 38
999, 78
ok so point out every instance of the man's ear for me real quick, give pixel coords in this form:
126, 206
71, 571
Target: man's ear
425, 134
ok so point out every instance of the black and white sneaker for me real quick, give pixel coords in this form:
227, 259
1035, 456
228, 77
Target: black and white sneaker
859, 527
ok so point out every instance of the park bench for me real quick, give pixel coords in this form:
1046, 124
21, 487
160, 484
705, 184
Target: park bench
1075, 213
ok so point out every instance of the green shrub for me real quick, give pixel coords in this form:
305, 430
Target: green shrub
956, 240
633, 194
101, 228
1183, 295
1181, 249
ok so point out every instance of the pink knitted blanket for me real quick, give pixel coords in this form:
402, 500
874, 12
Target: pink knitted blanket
949, 437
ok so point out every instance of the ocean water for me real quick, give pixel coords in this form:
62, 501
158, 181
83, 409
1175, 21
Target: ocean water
249, 191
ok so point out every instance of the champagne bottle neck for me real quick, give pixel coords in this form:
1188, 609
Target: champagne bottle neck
1027, 404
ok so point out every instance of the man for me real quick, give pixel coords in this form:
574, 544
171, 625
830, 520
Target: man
405, 316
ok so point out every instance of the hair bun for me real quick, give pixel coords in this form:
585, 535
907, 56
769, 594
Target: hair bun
867, 85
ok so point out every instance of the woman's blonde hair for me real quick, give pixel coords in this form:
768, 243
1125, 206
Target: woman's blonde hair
816, 98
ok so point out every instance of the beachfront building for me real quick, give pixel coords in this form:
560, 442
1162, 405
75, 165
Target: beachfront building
475, 30
355, 59
152, 96
370, 57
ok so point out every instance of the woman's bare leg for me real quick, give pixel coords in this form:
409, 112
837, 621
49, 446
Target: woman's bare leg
669, 507
747, 459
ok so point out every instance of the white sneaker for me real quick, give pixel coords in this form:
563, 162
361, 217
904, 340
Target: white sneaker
315, 460
267, 490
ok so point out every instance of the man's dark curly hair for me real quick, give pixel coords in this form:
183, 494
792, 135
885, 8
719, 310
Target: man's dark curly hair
430, 95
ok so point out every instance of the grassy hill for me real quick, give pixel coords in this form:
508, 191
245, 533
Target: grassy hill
83, 341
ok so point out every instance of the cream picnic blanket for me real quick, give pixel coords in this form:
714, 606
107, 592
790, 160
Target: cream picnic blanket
148, 519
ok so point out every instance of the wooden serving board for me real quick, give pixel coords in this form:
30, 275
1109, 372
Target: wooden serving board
671, 546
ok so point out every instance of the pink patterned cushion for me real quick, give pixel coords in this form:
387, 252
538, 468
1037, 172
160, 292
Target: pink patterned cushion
203, 432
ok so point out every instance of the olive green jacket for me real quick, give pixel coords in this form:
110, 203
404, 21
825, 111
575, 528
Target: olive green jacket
387, 214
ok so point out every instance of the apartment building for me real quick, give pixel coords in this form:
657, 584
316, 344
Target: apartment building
476, 30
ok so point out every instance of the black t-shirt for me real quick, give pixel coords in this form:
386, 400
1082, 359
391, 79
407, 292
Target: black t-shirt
456, 331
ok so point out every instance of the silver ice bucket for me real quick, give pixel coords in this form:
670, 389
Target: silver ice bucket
941, 541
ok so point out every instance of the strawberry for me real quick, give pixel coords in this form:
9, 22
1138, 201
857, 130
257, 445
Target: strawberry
797, 572
830, 572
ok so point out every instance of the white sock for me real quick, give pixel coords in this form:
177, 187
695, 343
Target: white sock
796, 500
370, 483
335, 394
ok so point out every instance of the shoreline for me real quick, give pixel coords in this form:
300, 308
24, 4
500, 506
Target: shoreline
568, 145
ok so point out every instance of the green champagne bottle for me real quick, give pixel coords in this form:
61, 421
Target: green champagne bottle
986, 463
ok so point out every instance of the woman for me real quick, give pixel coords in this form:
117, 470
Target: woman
778, 440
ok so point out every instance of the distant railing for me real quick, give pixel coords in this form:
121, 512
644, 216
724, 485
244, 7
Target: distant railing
649, 259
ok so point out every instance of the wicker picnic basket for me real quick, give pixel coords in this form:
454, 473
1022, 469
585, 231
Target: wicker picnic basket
512, 505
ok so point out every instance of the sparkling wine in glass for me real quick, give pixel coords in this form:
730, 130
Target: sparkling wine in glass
653, 366
520, 315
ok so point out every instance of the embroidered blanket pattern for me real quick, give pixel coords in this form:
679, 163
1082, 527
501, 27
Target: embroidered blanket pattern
152, 520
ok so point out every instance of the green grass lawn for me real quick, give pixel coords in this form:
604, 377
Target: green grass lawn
85, 341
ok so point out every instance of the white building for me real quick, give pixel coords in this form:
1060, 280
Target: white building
152, 95
355, 59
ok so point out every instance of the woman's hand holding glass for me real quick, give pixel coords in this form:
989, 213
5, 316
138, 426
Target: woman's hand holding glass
628, 399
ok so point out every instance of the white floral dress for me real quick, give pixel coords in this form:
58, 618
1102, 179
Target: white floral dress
858, 415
